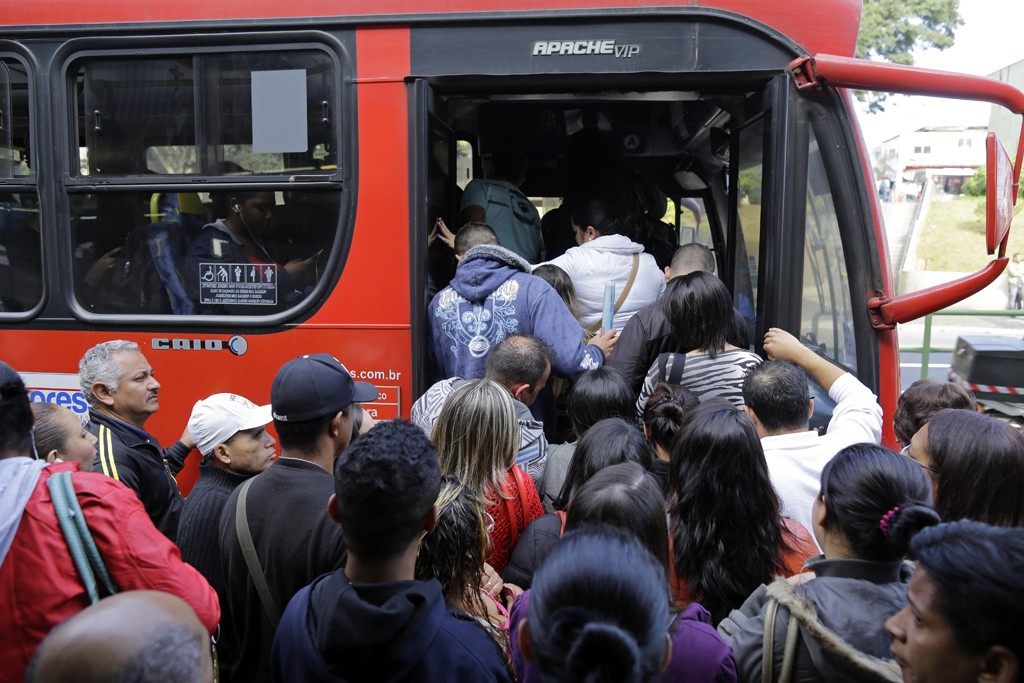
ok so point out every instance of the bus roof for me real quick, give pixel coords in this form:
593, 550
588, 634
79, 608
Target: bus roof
820, 26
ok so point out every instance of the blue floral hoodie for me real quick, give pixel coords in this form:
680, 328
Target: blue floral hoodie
492, 296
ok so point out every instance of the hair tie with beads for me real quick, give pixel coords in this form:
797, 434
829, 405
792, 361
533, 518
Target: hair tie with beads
883, 524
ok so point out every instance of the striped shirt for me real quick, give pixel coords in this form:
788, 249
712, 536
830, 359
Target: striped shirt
718, 377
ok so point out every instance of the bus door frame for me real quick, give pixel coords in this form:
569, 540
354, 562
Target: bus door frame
426, 120
784, 181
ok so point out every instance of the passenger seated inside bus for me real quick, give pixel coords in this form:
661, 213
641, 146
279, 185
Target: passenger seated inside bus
229, 269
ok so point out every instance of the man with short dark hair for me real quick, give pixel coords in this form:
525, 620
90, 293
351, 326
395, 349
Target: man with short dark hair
522, 364
779, 404
471, 235
122, 393
285, 508
371, 621
649, 333
138, 636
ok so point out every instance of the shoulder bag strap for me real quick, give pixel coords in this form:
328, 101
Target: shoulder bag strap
768, 642
789, 653
84, 553
768, 645
622, 296
251, 560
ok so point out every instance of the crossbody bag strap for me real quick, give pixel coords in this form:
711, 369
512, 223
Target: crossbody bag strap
84, 553
251, 560
625, 292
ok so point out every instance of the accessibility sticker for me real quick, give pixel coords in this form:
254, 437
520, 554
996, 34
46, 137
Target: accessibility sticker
238, 283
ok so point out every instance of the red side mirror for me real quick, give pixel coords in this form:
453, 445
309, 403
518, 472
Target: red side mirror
999, 196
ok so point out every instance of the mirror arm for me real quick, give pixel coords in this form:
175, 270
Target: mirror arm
886, 313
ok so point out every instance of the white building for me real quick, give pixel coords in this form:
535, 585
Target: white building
946, 155
1002, 122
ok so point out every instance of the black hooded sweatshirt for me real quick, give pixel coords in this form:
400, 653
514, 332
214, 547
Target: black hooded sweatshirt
334, 630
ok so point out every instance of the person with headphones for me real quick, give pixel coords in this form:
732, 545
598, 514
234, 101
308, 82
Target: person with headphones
229, 270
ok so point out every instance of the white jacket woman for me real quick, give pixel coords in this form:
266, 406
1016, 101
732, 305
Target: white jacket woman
604, 227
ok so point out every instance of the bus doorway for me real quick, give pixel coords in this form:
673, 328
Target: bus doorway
741, 148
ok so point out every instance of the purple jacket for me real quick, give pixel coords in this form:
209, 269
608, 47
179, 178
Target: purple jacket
699, 655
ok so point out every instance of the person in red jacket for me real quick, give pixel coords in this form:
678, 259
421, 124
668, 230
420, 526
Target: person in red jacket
39, 585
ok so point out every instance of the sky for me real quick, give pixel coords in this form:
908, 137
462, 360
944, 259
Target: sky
989, 40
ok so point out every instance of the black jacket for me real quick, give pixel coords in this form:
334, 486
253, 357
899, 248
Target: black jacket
534, 545
133, 457
295, 541
840, 616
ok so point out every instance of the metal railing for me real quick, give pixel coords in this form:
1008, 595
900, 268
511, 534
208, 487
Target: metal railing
926, 348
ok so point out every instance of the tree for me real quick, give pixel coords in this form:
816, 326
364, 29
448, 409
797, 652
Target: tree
891, 30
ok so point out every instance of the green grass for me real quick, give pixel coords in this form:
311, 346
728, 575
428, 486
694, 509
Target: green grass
953, 237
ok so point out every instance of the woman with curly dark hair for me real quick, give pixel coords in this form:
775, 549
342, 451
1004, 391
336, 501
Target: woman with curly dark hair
454, 552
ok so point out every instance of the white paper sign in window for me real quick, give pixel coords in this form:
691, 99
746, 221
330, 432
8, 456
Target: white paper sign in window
279, 111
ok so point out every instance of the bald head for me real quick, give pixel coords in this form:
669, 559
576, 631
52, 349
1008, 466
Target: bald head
133, 637
692, 257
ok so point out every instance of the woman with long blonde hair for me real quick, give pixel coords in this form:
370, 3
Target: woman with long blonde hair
476, 437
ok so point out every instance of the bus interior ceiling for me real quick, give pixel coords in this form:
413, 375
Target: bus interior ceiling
679, 139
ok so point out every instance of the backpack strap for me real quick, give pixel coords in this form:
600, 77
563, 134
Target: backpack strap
251, 559
622, 296
84, 553
671, 366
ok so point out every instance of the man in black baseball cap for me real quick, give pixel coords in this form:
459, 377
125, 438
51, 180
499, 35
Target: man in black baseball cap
313, 400
313, 386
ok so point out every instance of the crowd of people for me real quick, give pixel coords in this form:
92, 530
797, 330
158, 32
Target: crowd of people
667, 515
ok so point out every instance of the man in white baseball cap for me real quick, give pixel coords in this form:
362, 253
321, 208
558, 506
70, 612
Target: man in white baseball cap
231, 433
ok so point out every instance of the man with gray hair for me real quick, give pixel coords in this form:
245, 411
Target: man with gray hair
122, 394
522, 364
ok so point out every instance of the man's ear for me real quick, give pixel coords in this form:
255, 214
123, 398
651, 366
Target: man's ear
518, 390
525, 644
334, 428
103, 393
999, 665
222, 453
668, 273
810, 408
751, 415
332, 508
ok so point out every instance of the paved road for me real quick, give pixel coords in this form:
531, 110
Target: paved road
910, 367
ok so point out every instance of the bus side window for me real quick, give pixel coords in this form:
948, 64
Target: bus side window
21, 267
826, 317
141, 247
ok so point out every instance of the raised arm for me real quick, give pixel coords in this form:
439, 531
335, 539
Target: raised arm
781, 345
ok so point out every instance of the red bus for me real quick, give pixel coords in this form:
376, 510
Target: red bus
345, 128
